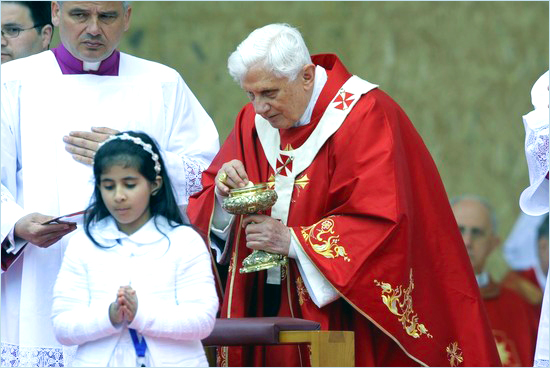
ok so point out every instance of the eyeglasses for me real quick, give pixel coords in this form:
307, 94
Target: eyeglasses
13, 32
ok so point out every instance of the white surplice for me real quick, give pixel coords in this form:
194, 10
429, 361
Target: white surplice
40, 105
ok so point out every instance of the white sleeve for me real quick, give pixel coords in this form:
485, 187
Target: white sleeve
74, 321
319, 289
222, 223
11, 212
15, 245
193, 313
192, 142
221, 220
10, 160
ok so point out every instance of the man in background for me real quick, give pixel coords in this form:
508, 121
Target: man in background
27, 28
512, 319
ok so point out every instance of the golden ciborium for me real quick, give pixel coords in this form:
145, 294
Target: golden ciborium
247, 201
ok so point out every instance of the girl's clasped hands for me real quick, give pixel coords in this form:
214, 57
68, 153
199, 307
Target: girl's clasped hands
125, 306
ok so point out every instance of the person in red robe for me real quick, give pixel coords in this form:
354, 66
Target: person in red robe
361, 213
513, 320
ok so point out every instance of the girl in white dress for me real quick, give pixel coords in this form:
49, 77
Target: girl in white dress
136, 286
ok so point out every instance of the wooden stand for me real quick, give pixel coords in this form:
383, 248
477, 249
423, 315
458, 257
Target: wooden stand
328, 348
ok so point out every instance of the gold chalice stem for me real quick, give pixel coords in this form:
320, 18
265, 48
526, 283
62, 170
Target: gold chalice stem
259, 259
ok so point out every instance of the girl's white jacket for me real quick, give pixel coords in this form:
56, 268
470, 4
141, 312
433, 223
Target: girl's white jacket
177, 300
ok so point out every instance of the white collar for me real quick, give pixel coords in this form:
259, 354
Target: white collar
482, 279
318, 84
91, 65
106, 231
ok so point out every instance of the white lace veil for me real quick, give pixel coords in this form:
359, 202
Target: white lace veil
534, 200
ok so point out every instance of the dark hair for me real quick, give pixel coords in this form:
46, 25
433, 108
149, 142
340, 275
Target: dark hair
41, 12
542, 231
130, 154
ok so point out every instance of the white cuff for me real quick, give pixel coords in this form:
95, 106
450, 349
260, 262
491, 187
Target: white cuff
174, 168
319, 289
221, 220
291, 251
15, 244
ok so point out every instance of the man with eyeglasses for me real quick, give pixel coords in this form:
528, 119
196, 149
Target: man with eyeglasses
57, 106
27, 28
512, 319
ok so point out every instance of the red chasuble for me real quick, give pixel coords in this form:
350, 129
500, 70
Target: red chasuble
513, 323
371, 213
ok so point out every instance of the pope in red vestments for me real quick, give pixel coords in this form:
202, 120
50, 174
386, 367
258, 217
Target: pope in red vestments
364, 205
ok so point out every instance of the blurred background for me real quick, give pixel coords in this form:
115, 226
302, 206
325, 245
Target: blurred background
462, 71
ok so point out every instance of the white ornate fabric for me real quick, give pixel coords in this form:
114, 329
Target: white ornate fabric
534, 199
39, 175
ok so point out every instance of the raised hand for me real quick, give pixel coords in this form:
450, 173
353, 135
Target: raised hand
83, 145
231, 175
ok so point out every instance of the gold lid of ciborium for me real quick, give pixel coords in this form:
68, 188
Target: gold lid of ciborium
249, 200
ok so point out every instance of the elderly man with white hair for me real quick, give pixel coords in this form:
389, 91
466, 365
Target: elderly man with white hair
361, 214
57, 106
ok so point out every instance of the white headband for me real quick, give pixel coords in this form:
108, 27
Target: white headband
146, 146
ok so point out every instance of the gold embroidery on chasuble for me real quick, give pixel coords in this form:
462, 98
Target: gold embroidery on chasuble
454, 354
302, 291
284, 271
288, 147
503, 352
506, 349
222, 356
300, 182
271, 182
399, 302
322, 238
232, 263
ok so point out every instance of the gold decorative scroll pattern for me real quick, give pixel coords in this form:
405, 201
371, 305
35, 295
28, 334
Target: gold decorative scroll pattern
232, 263
222, 356
284, 271
454, 354
399, 302
323, 241
302, 291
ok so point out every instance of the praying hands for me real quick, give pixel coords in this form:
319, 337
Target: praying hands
125, 306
